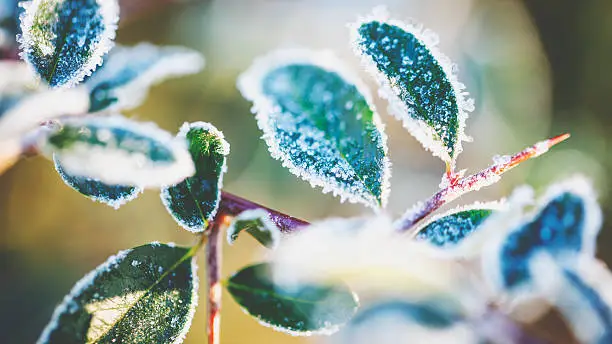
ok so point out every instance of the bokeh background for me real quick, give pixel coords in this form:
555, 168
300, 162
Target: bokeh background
535, 68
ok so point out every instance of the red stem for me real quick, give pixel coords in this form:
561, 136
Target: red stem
213, 271
474, 182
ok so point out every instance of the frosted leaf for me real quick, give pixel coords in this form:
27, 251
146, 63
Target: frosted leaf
306, 310
127, 74
64, 40
320, 122
124, 302
112, 195
564, 224
257, 223
581, 294
408, 321
418, 80
118, 151
449, 229
194, 201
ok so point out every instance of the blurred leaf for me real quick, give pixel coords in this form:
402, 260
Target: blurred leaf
257, 223
418, 81
112, 195
449, 229
144, 295
194, 201
118, 151
64, 40
320, 123
301, 310
127, 74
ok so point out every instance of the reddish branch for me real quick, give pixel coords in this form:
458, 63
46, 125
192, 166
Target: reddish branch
213, 272
474, 182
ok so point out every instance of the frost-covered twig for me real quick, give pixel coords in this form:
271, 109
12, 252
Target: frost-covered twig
486, 177
213, 273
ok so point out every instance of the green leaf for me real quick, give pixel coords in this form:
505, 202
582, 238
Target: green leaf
320, 122
117, 151
128, 73
451, 228
112, 195
257, 223
146, 294
64, 40
418, 81
194, 201
301, 310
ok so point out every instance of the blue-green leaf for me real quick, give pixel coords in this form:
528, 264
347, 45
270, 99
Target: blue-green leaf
418, 81
112, 195
299, 310
118, 151
147, 294
257, 223
449, 229
194, 201
64, 40
564, 225
128, 73
320, 122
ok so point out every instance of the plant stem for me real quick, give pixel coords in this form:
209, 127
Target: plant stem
213, 271
486, 177
232, 205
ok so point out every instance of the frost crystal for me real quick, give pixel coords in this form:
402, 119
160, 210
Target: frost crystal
419, 81
128, 73
117, 151
320, 122
64, 40
257, 223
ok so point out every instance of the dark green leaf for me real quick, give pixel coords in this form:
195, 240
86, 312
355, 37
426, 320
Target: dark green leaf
194, 201
117, 151
320, 123
450, 229
144, 295
301, 310
418, 81
112, 195
64, 40
257, 223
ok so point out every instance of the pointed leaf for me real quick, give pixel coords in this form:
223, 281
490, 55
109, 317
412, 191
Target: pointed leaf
117, 151
128, 73
112, 195
565, 224
64, 40
303, 310
417, 80
144, 295
194, 201
320, 122
256, 222
451, 228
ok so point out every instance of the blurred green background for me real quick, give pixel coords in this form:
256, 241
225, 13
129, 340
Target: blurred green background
536, 69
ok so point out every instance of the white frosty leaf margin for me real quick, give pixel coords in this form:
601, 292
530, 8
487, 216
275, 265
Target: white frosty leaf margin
250, 85
109, 10
224, 150
170, 62
419, 129
85, 282
116, 166
254, 215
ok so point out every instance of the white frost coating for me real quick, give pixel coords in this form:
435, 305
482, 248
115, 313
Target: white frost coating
43, 106
16, 76
250, 85
109, 10
115, 166
76, 290
370, 256
194, 304
252, 215
419, 129
209, 128
169, 62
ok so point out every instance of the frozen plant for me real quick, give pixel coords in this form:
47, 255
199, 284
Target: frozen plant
461, 277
